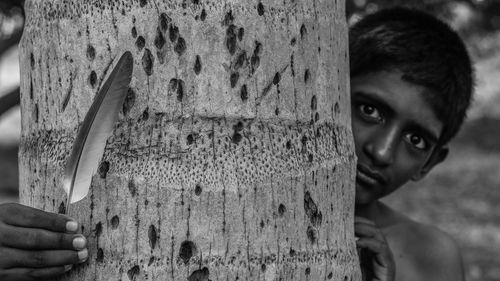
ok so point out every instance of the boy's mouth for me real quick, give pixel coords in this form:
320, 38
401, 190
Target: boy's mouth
369, 177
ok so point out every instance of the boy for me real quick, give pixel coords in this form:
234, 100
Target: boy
411, 82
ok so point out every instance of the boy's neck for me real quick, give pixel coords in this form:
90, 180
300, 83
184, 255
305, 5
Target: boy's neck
369, 211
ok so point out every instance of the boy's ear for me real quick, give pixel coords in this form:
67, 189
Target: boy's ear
437, 156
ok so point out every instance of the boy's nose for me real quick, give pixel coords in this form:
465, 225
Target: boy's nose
382, 148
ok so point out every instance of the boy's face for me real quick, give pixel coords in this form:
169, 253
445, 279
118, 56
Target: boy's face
395, 134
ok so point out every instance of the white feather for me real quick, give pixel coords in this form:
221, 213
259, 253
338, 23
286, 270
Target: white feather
97, 126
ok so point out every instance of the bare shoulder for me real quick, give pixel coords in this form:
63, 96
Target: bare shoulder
431, 253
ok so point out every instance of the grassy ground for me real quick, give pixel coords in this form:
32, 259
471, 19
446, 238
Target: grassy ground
459, 196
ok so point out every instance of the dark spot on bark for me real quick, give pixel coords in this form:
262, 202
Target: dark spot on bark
159, 39
312, 234
238, 127
129, 101
189, 139
164, 22
143, 3
316, 117
236, 138
241, 33
98, 229
260, 9
231, 39
148, 62
173, 33
36, 113
288, 144
145, 114
263, 267
100, 255
140, 42
314, 103
330, 275
187, 250
90, 52
244, 92
103, 169
115, 222
172, 85
93, 78
151, 261
132, 188
228, 18
262, 224
240, 61
180, 47
234, 79
197, 189
292, 252
134, 32
133, 272
180, 89
303, 31
32, 61
62, 208
309, 205
311, 209
197, 65
293, 41
277, 78
200, 275
276, 111
281, 210
258, 48
308, 270
255, 62
203, 15
306, 75
303, 140
152, 236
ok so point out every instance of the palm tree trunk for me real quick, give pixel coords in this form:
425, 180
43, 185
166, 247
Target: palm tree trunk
233, 158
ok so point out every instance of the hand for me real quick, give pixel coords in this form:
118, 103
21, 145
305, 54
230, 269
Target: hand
377, 262
36, 245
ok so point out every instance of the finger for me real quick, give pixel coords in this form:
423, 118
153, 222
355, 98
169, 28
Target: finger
31, 274
12, 258
374, 245
363, 220
367, 230
24, 216
40, 239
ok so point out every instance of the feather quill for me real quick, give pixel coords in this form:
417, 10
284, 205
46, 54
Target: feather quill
98, 124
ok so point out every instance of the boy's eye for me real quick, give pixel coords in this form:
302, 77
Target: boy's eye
417, 141
369, 111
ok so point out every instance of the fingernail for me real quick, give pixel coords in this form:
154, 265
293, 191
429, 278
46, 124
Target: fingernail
68, 267
79, 243
71, 226
82, 255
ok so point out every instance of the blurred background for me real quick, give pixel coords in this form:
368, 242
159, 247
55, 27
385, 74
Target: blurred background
459, 196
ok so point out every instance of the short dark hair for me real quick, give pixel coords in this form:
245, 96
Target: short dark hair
427, 52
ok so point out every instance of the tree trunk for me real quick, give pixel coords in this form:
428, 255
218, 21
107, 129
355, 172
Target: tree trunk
233, 157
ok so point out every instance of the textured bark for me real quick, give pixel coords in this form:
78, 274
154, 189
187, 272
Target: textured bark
233, 157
